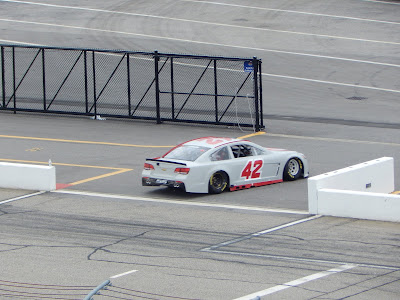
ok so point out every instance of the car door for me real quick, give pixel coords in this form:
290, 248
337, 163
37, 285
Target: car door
250, 165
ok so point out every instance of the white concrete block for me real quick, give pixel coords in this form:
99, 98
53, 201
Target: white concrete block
361, 205
376, 176
28, 177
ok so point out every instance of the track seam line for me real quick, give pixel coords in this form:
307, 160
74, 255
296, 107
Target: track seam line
307, 260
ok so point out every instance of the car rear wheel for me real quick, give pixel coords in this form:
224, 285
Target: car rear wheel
293, 169
218, 182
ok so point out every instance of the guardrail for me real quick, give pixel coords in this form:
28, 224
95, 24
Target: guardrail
135, 85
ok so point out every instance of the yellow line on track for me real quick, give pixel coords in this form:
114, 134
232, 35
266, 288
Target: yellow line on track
396, 192
81, 142
105, 143
100, 176
250, 135
60, 164
118, 170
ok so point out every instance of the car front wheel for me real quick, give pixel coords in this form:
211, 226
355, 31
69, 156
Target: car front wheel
218, 182
293, 169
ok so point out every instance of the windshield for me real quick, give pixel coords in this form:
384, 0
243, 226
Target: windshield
186, 152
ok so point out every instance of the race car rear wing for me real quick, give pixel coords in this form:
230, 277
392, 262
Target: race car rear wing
165, 161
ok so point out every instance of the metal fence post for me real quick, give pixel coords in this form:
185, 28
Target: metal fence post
128, 78
86, 81
44, 80
215, 91
3, 80
260, 94
157, 86
172, 89
94, 85
255, 81
14, 78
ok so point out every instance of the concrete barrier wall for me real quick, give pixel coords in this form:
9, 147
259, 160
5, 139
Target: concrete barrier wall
372, 181
28, 177
362, 205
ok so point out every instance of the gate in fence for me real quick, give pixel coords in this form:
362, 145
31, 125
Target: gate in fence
136, 85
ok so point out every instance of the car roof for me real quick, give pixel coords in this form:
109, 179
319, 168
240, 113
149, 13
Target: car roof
211, 141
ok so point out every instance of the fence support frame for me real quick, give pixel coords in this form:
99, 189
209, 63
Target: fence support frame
200, 88
3, 80
255, 80
157, 85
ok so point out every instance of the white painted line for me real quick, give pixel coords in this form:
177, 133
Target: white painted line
296, 11
290, 77
329, 57
19, 43
379, 1
181, 202
300, 78
334, 83
259, 49
238, 47
208, 23
286, 225
22, 197
134, 14
123, 274
297, 282
221, 24
213, 3
249, 236
222, 45
332, 139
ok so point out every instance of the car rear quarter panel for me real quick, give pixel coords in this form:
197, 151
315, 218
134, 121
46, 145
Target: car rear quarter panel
199, 175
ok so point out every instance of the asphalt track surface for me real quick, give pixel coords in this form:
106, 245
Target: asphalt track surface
331, 91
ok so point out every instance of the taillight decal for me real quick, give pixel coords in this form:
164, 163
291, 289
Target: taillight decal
183, 171
148, 166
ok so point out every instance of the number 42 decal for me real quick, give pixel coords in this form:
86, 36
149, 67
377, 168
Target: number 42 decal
252, 169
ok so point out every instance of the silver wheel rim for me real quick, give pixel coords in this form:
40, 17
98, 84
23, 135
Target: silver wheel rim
293, 167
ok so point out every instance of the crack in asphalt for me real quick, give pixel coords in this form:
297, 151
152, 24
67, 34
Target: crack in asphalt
102, 248
16, 247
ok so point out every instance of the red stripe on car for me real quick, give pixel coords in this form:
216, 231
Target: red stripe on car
247, 186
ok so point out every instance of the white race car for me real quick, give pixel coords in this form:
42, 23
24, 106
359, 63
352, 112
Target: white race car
215, 164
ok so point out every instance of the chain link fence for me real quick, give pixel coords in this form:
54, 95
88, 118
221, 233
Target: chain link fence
136, 85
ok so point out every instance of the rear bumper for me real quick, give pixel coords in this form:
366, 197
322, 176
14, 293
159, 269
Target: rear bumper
150, 181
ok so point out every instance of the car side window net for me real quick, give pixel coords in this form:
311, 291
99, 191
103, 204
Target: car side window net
242, 151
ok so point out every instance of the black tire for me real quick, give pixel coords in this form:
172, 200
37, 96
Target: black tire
293, 169
218, 182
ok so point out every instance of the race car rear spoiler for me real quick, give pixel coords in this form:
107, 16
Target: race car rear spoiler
165, 161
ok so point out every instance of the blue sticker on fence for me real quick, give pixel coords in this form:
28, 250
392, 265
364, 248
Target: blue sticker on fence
248, 66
